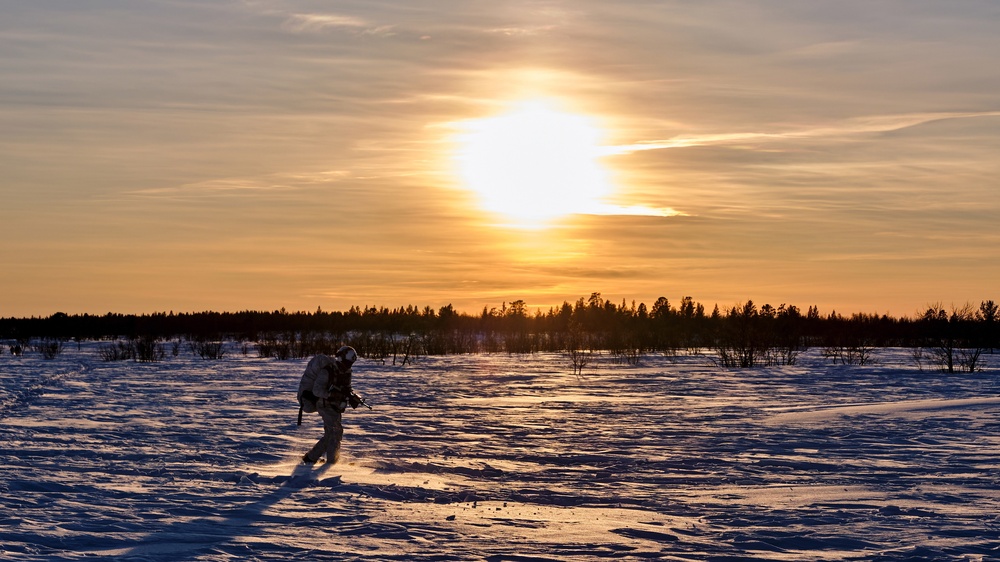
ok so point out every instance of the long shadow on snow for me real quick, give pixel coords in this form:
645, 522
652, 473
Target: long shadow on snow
207, 532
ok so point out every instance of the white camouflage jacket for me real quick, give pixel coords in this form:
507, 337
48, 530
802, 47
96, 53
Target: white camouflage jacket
317, 379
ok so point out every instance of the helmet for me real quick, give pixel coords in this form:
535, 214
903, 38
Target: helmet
346, 356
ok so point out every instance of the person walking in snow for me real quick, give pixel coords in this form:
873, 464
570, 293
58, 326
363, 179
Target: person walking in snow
326, 388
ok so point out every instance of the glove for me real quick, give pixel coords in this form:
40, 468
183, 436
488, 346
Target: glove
354, 401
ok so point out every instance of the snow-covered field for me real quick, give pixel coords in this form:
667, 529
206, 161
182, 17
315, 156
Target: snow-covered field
499, 458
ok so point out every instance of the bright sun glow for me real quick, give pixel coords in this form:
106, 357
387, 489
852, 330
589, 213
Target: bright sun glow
534, 163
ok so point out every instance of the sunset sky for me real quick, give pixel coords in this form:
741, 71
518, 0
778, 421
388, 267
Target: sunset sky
185, 155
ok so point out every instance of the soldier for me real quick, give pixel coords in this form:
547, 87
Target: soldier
326, 388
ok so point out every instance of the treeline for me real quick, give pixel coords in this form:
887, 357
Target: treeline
744, 335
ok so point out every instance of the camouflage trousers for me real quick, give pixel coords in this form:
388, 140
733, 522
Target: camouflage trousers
333, 434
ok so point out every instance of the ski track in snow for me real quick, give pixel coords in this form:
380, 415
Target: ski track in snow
496, 457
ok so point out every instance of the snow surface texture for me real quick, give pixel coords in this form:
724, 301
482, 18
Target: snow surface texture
499, 458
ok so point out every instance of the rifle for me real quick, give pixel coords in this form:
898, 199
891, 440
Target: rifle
352, 394
360, 400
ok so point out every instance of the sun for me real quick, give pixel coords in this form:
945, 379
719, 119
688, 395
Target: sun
533, 163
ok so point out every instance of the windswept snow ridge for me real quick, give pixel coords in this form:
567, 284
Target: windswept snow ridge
18, 389
499, 458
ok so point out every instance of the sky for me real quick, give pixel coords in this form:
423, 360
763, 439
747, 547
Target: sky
181, 155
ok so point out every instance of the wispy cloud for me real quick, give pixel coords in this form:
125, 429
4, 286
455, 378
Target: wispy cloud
318, 23
236, 186
513, 31
861, 125
636, 211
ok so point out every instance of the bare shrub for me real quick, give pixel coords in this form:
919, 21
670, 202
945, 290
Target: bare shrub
956, 340
971, 359
579, 358
376, 346
630, 355
919, 356
208, 349
579, 349
736, 357
148, 349
275, 346
745, 341
858, 352
289, 345
50, 348
783, 355
116, 351
405, 349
